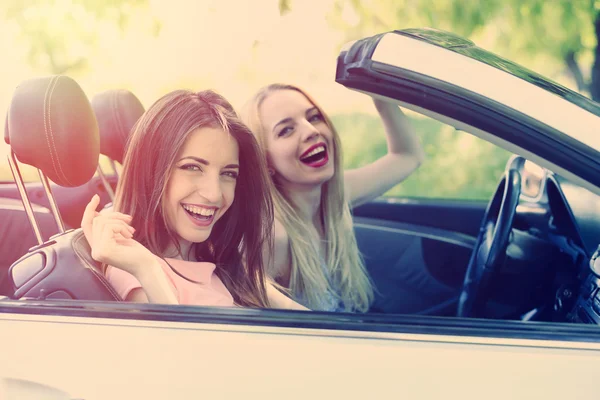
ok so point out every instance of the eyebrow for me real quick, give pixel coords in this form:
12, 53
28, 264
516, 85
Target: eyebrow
311, 110
283, 121
287, 120
204, 162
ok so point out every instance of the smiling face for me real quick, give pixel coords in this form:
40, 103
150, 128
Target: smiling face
201, 187
299, 142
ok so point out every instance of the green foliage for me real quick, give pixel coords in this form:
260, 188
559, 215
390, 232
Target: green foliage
458, 165
549, 37
540, 26
60, 34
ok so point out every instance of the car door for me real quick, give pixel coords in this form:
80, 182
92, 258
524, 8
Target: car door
99, 351
431, 219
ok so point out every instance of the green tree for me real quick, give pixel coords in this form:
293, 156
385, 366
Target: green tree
60, 34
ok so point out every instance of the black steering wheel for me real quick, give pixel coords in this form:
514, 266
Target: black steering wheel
492, 241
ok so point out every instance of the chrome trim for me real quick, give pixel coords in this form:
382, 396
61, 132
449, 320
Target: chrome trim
542, 189
53, 206
14, 168
105, 183
275, 330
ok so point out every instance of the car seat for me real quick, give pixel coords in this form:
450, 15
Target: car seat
52, 127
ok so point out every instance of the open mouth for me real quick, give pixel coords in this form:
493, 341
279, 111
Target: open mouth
200, 215
316, 156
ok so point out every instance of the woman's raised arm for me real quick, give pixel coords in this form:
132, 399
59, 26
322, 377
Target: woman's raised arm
404, 155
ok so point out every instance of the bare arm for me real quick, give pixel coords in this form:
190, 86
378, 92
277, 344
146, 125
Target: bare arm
277, 258
404, 155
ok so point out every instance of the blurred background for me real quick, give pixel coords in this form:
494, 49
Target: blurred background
234, 47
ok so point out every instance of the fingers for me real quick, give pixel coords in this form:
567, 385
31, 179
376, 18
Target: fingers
115, 230
88, 216
102, 224
117, 215
92, 222
90, 210
108, 235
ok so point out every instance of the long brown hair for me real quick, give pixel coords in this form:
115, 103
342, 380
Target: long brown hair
345, 275
236, 241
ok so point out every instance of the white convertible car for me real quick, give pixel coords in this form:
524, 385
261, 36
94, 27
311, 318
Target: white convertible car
517, 319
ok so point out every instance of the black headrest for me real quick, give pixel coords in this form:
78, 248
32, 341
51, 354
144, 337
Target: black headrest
117, 111
52, 127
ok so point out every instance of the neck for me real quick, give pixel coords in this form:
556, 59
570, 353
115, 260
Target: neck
307, 200
185, 253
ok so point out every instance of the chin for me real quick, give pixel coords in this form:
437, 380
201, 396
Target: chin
195, 237
325, 176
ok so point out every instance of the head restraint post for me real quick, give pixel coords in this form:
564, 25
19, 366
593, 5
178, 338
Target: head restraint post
105, 183
14, 168
113, 164
53, 206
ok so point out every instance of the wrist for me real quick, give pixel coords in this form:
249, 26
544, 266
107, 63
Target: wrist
148, 270
155, 283
383, 105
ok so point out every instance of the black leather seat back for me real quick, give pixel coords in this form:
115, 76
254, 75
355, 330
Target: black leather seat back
52, 127
117, 112
61, 269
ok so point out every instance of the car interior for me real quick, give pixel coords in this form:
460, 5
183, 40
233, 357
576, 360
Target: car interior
42, 271
523, 256
116, 112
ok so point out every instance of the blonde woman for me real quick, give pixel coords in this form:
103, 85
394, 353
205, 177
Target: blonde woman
315, 255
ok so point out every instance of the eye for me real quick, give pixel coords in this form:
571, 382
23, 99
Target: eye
285, 131
316, 118
231, 174
190, 167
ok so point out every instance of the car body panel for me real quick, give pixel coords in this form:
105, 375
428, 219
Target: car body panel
99, 358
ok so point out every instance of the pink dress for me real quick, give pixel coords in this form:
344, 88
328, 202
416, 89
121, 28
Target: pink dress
194, 283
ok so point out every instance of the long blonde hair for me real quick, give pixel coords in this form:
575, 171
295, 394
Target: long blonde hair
345, 276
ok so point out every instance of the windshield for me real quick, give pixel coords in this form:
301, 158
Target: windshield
476, 70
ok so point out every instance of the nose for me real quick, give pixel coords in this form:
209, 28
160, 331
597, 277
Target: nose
210, 189
309, 132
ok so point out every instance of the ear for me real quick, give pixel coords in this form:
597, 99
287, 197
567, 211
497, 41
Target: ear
271, 171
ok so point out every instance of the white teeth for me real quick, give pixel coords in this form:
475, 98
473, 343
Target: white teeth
315, 151
206, 212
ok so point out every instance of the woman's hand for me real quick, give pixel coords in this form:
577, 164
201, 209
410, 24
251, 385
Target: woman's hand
111, 238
